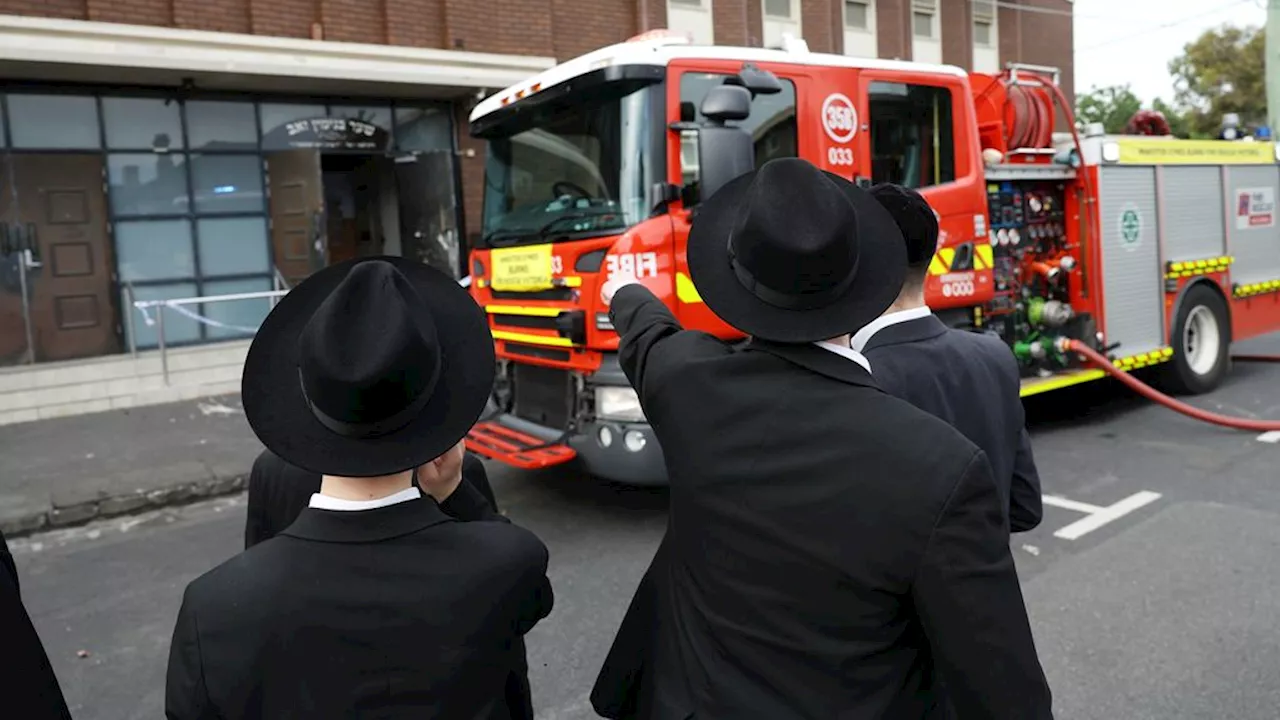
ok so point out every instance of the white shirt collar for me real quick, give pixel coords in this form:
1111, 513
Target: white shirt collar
863, 336
324, 502
848, 353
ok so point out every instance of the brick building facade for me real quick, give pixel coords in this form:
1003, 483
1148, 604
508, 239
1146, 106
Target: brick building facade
176, 102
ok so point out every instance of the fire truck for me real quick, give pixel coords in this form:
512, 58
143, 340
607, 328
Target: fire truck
1156, 252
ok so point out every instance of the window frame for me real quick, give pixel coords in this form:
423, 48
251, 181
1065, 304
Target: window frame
866, 10
956, 171
789, 17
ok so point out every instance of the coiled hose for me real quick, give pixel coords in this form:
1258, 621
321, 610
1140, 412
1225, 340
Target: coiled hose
1154, 395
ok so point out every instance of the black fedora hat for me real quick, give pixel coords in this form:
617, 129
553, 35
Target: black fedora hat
367, 368
794, 254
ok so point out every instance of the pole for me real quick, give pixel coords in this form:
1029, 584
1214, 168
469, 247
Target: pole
129, 310
164, 354
1273, 66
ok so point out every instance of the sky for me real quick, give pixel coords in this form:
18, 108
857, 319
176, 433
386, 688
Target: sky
1132, 41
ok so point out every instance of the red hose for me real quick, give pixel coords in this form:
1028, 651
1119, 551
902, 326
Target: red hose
1151, 393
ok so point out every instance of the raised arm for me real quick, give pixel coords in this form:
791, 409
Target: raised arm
642, 322
970, 605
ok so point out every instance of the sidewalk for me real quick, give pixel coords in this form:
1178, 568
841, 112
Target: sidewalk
67, 471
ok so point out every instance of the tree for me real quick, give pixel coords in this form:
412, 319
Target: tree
1112, 106
1222, 72
1179, 124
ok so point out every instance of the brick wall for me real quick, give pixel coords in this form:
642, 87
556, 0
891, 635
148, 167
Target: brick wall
1040, 38
957, 32
893, 29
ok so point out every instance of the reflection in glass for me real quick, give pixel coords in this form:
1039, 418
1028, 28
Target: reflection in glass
233, 246
227, 183
221, 125
275, 115
133, 123
54, 121
147, 184
177, 328
154, 250
380, 116
423, 129
244, 316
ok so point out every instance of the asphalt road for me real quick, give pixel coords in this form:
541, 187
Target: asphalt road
1152, 607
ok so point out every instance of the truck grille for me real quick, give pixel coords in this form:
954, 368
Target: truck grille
543, 396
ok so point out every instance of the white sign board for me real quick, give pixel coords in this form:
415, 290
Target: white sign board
1255, 208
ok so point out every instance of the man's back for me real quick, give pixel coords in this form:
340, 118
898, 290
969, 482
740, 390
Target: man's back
395, 612
809, 572
971, 381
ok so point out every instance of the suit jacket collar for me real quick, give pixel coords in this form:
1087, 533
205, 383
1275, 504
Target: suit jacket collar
367, 526
909, 331
815, 359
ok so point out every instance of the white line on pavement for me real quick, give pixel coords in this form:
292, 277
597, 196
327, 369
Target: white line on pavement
1270, 437
1066, 504
1102, 516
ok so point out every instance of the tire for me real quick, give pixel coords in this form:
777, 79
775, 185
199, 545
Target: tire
1201, 341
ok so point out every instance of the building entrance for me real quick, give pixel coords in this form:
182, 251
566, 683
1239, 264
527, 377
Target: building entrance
56, 266
330, 207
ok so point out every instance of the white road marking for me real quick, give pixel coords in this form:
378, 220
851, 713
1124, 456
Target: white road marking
1095, 520
1066, 504
1270, 437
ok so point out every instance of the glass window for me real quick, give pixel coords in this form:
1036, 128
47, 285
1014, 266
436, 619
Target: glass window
772, 123
855, 14
982, 33
134, 123
147, 184
777, 8
275, 115
379, 115
241, 316
3, 135
177, 328
233, 246
227, 183
912, 139
922, 24
154, 250
54, 121
423, 129
690, 3
221, 125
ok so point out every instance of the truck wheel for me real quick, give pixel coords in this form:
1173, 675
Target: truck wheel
1201, 344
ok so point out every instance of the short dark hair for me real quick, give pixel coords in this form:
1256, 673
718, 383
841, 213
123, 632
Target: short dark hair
918, 223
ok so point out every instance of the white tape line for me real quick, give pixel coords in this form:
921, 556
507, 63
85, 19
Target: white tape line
1081, 527
1066, 504
1270, 437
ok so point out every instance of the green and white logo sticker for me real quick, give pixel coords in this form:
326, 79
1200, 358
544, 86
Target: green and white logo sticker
1130, 224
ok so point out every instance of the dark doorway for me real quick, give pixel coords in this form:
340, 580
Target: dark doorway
54, 242
362, 206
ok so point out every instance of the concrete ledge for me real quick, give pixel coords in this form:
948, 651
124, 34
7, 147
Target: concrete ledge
107, 505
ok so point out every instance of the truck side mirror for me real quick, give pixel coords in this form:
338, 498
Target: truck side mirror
757, 81
726, 102
724, 153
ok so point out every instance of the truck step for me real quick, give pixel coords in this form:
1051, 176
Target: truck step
512, 447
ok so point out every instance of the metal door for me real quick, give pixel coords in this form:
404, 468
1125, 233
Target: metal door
428, 211
297, 213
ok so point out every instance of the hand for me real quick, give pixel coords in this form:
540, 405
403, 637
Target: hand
440, 477
615, 283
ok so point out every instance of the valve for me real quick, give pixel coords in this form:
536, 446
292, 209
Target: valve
1049, 313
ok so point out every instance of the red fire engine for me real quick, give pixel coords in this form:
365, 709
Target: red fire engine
1153, 251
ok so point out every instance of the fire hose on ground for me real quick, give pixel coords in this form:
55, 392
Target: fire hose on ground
1150, 393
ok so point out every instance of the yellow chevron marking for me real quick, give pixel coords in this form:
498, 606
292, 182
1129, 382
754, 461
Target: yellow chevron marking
685, 291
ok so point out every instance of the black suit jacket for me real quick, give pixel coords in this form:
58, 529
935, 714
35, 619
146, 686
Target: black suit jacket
971, 380
28, 686
824, 540
415, 610
279, 491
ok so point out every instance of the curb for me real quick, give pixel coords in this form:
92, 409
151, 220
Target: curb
105, 506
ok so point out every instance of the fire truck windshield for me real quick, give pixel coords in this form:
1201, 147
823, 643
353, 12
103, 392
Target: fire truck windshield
571, 170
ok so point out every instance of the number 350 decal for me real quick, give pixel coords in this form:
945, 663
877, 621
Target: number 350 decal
640, 265
840, 156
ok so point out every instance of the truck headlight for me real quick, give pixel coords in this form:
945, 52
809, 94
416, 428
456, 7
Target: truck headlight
618, 403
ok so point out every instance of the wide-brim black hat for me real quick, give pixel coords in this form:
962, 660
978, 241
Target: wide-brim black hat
786, 203
332, 333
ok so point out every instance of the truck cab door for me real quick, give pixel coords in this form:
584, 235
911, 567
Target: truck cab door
772, 123
921, 133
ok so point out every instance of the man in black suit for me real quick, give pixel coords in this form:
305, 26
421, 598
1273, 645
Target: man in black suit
830, 548
969, 379
376, 601
28, 686
278, 492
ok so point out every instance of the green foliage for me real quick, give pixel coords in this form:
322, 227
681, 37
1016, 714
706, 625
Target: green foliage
1111, 106
1222, 71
